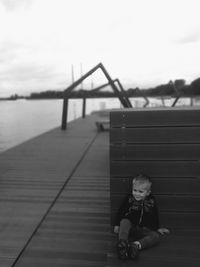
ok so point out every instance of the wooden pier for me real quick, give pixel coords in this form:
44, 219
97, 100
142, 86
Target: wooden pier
55, 205
54, 199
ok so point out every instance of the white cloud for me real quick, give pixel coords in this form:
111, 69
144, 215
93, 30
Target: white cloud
142, 41
13, 4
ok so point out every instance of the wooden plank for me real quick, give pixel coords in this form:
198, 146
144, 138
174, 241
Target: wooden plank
155, 135
155, 168
155, 117
184, 220
160, 185
155, 151
183, 203
6, 262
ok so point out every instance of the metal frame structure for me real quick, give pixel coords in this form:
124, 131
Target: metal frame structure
120, 93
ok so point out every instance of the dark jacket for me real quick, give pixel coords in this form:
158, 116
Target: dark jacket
141, 213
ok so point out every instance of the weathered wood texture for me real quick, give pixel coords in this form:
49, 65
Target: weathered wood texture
164, 144
54, 199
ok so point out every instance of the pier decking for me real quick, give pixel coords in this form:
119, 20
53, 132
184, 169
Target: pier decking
55, 205
54, 199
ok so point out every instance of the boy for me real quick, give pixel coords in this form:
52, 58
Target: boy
138, 218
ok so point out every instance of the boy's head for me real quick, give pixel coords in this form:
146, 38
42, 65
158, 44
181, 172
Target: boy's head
141, 187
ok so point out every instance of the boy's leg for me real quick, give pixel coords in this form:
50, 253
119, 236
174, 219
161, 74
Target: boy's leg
124, 230
122, 244
149, 238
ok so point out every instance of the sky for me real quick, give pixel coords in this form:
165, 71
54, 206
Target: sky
144, 43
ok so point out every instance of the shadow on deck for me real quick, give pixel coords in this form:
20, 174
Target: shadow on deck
55, 205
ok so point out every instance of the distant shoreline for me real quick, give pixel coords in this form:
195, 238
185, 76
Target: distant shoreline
7, 99
98, 97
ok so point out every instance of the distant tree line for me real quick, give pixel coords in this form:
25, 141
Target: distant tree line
74, 94
178, 87
46, 94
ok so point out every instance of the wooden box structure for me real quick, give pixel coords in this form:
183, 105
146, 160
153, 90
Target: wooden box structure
164, 144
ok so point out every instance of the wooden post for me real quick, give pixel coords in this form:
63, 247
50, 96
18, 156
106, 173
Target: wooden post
191, 101
64, 113
84, 107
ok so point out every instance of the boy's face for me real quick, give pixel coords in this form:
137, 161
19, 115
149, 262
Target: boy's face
140, 191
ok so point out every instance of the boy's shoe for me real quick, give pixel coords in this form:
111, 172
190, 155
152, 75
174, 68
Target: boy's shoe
133, 251
122, 249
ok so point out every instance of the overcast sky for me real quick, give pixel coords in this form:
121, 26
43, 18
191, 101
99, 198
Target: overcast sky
142, 42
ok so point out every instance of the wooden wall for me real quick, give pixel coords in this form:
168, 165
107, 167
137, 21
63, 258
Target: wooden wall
164, 144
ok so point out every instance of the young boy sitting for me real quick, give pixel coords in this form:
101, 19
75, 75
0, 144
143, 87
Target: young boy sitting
138, 220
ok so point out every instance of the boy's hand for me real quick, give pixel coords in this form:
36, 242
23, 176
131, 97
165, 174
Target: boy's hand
116, 229
163, 231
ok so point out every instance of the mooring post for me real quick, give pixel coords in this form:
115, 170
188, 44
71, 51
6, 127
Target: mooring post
64, 113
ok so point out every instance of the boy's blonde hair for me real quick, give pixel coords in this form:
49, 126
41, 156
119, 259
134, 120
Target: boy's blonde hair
143, 179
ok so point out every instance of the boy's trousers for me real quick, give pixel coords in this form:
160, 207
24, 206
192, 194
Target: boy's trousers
145, 236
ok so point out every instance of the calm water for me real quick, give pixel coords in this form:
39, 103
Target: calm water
21, 120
